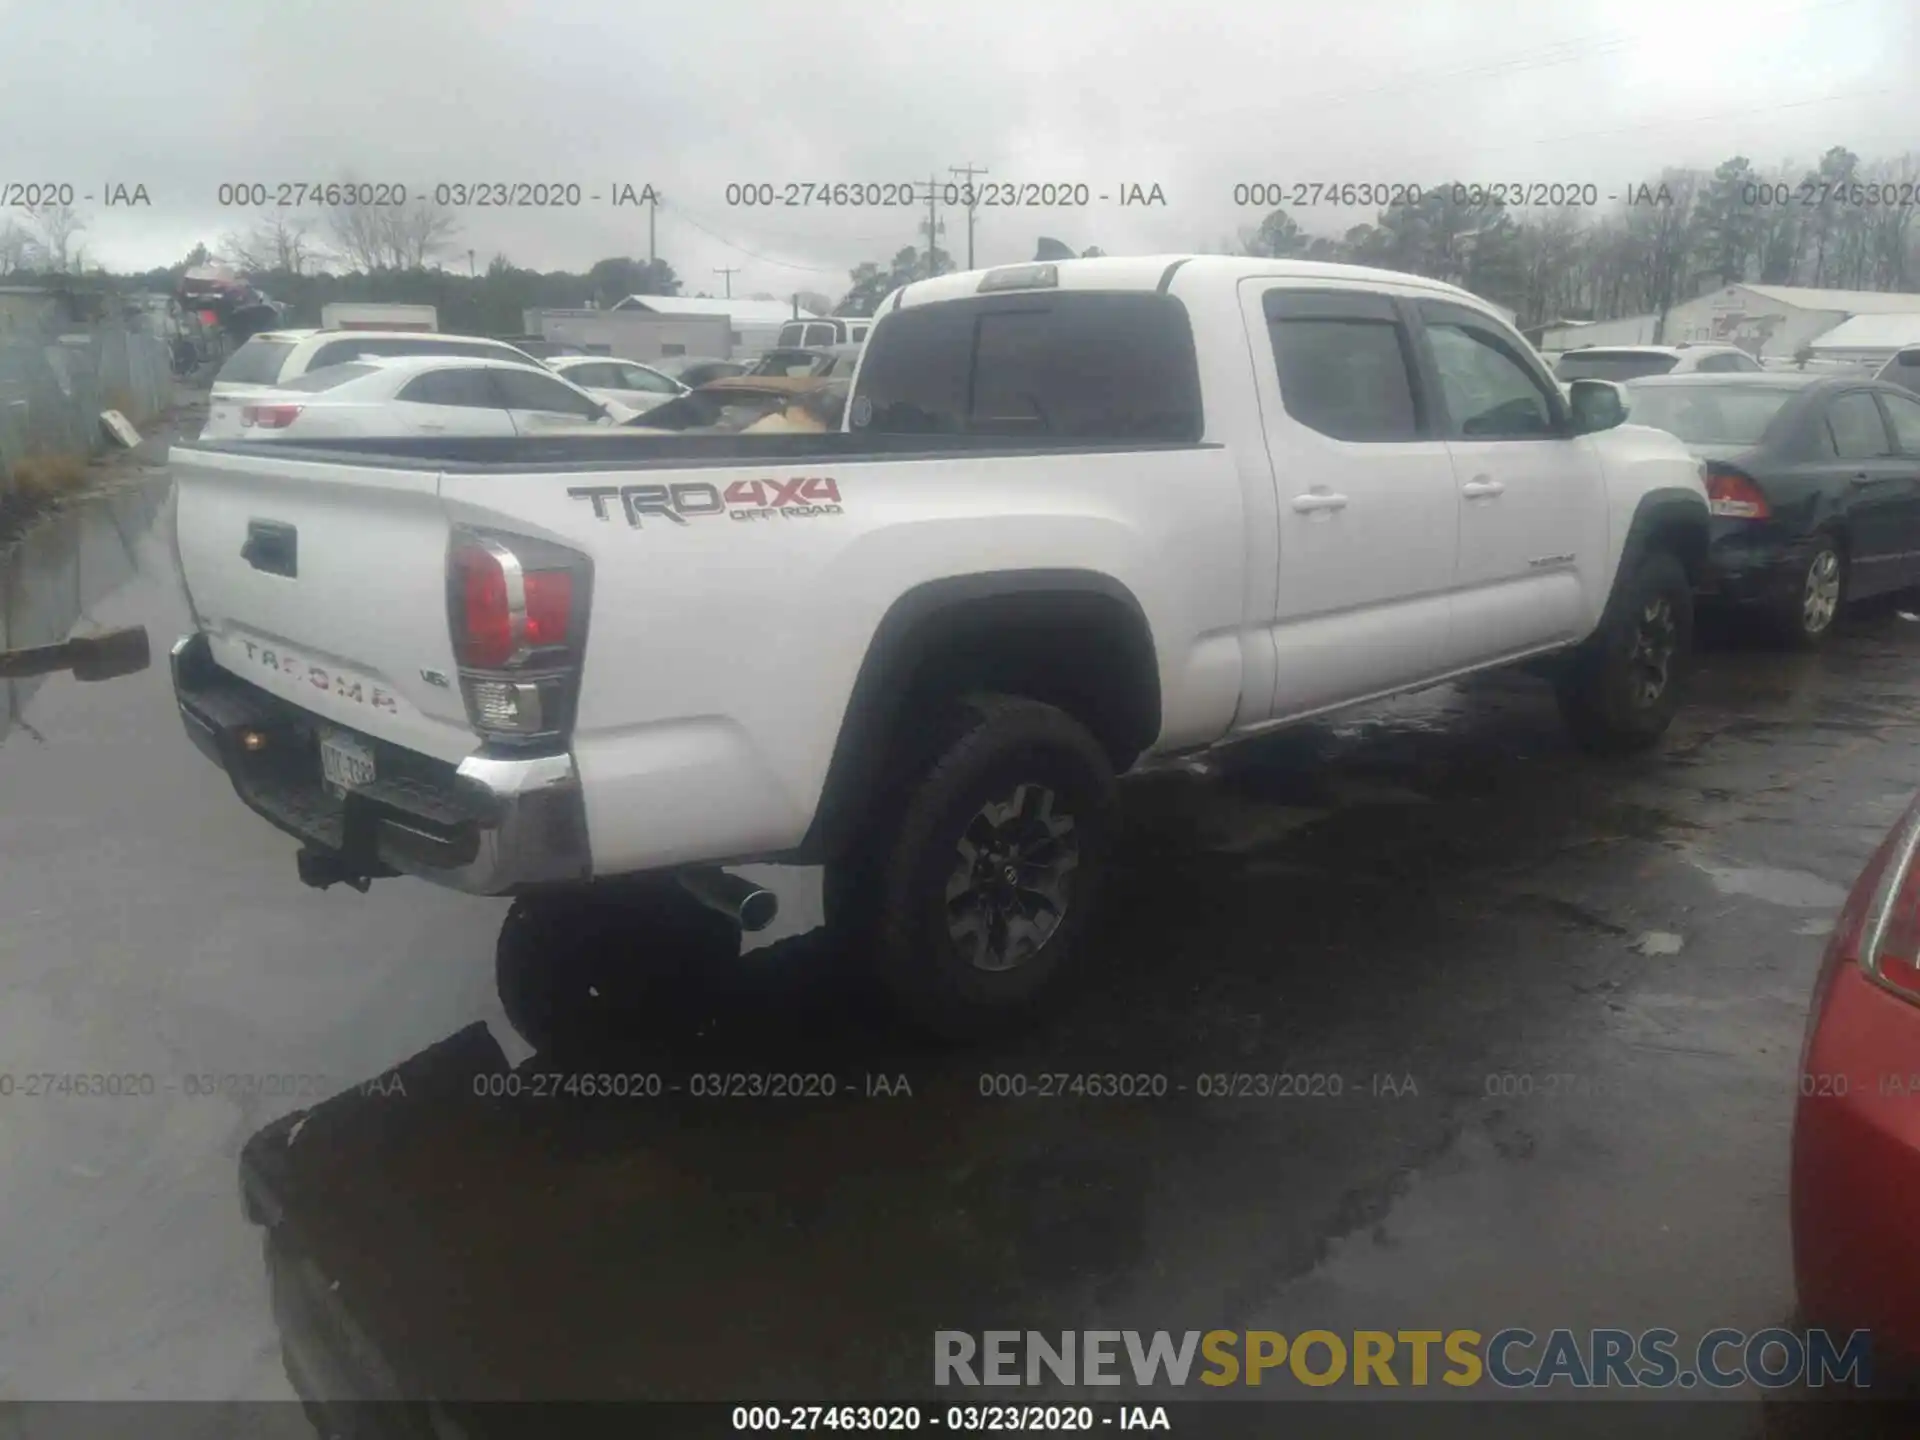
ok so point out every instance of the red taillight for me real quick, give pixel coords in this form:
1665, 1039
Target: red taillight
269, 417
506, 611
484, 622
549, 607
1734, 494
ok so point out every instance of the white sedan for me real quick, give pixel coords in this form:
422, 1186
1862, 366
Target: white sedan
413, 395
638, 387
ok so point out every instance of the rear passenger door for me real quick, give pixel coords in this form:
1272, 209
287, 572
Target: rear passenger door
1367, 513
455, 401
1874, 488
1903, 418
1531, 497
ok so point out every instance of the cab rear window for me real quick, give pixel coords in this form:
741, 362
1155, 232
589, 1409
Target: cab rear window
1053, 368
258, 362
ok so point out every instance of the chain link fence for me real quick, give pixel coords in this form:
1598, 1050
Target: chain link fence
54, 386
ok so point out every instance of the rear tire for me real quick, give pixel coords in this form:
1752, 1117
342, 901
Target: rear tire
1807, 619
591, 969
1619, 691
972, 892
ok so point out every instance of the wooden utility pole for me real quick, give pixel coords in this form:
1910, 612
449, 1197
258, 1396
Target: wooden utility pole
933, 221
729, 271
967, 172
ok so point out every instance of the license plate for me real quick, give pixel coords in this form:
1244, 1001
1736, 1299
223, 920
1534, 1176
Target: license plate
346, 763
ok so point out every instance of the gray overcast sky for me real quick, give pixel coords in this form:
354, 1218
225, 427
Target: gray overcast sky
1192, 96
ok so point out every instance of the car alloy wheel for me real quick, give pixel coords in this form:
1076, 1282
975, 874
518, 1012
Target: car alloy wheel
1820, 595
1655, 638
1013, 880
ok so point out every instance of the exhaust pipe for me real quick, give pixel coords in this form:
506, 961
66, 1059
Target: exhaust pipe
741, 901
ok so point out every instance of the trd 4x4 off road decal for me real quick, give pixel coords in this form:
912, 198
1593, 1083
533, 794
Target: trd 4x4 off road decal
742, 500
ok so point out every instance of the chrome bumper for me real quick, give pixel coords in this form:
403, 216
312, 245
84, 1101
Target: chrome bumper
492, 825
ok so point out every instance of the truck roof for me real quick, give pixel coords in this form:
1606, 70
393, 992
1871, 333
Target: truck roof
1149, 272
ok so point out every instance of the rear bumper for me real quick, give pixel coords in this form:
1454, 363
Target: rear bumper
1753, 565
492, 825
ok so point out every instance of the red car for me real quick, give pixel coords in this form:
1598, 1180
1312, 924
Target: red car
1856, 1130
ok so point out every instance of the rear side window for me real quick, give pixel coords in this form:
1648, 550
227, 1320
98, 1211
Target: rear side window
1345, 364
1072, 368
468, 387
258, 362
1720, 364
327, 379
821, 335
1858, 432
790, 336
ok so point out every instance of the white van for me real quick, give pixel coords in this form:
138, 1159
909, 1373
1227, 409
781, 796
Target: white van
821, 333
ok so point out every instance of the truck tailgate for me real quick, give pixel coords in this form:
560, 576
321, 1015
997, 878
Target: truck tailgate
325, 584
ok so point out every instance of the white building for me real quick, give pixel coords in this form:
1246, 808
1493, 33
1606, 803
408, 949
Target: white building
1627, 330
635, 334
755, 323
1869, 340
1775, 320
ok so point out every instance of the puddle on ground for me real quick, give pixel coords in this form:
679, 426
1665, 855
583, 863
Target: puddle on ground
60, 569
1659, 942
1792, 889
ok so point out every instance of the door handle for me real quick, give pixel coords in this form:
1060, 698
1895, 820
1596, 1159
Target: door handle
1861, 477
1319, 500
272, 548
435, 426
1482, 488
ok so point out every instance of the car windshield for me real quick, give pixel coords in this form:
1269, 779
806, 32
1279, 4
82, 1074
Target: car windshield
1614, 365
1709, 414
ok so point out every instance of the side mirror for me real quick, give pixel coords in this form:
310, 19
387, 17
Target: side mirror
1597, 405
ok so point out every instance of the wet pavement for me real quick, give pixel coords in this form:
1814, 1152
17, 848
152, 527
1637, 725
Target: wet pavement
1546, 1012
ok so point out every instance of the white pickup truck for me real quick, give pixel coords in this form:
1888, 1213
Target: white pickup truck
1081, 515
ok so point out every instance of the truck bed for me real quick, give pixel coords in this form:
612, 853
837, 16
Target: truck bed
613, 451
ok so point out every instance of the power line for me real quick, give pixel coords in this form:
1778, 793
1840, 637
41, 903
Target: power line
677, 212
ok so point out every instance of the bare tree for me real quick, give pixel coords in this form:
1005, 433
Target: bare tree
17, 247
358, 233
57, 225
418, 233
282, 244
1889, 228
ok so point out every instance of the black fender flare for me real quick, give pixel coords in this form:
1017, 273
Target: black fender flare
1668, 516
915, 623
